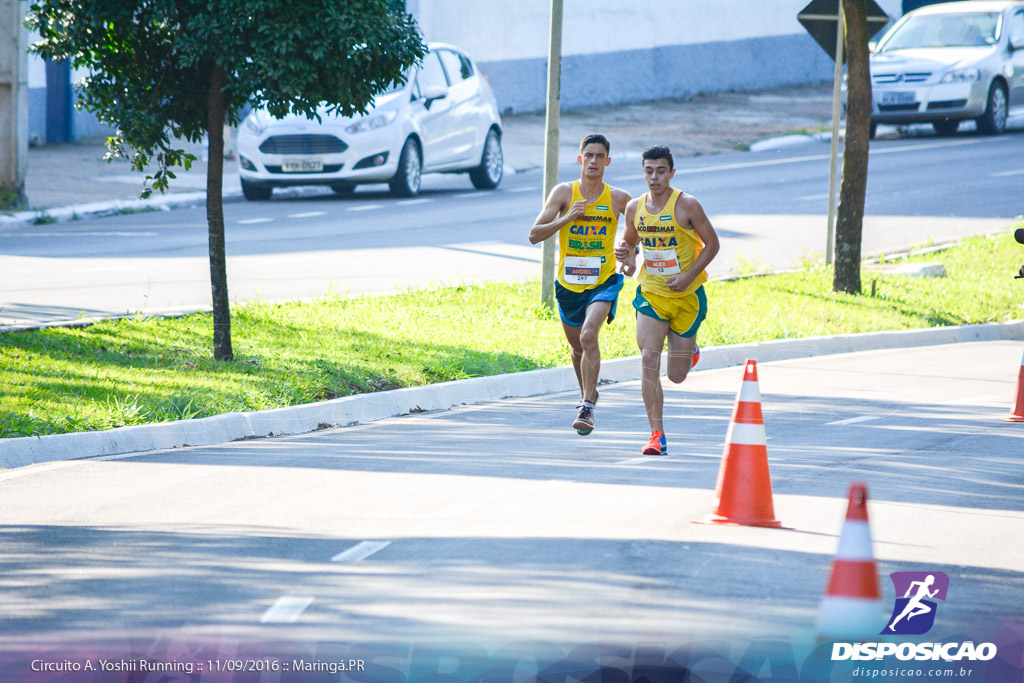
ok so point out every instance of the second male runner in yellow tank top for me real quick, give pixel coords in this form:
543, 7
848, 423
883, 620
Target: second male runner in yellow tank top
585, 215
678, 244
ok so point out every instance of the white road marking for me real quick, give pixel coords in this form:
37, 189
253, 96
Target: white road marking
366, 207
1005, 174
819, 157
287, 609
37, 469
72, 233
853, 420
307, 214
523, 189
466, 194
250, 221
454, 510
646, 458
551, 483
360, 551
409, 202
973, 399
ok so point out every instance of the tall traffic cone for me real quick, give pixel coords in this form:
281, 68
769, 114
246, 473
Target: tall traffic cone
852, 604
743, 494
1017, 411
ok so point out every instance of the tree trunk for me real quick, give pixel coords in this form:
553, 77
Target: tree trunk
215, 217
849, 223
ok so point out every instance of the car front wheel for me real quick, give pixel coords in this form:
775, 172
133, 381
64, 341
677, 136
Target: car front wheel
406, 181
487, 175
254, 192
993, 121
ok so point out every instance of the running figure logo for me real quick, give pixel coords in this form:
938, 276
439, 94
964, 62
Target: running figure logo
914, 613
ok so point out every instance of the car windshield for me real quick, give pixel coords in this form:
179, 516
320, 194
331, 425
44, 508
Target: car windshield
945, 30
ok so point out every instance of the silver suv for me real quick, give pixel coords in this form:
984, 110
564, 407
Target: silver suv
945, 63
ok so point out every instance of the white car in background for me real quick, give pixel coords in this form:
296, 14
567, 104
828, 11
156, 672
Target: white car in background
443, 119
945, 63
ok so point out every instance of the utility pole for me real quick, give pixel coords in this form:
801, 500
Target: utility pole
13, 103
547, 261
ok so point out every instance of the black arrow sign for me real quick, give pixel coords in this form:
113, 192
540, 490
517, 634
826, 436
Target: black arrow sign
821, 18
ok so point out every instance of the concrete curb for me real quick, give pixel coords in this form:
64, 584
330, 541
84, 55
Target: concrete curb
64, 214
371, 407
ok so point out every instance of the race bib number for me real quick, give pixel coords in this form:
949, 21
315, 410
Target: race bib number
582, 270
661, 262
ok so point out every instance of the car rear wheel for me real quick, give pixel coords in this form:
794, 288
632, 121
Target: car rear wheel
874, 130
993, 121
254, 192
406, 181
487, 175
945, 127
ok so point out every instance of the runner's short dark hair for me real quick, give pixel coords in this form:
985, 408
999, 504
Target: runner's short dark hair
659, 152
599, 139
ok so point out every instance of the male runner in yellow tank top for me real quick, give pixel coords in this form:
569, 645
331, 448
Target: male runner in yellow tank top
585, 214
678, 243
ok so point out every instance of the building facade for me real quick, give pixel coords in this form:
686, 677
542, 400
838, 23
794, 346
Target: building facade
612, 52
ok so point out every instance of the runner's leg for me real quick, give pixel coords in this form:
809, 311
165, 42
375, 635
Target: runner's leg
680, 356
590, 363
650, 337
572, 335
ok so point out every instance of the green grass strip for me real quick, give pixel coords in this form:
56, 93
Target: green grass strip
130, 372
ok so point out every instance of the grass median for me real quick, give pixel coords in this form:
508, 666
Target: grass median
130, 372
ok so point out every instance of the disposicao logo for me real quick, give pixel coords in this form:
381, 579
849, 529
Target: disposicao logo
914, 613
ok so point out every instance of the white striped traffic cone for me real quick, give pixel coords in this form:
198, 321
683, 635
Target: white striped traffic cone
1017, 411
852, 604
743, 494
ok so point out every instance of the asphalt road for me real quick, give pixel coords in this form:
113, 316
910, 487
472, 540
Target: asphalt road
496, 524
769, 208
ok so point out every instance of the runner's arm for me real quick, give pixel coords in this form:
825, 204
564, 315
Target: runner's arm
689, 211
548, 220
625, 251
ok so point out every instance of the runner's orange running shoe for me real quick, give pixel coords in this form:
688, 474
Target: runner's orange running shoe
657, 445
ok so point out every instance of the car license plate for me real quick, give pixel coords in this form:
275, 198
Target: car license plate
897, 97
311, 165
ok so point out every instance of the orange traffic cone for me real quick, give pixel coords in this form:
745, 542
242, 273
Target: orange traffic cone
1017, 411
852, 604
743, 494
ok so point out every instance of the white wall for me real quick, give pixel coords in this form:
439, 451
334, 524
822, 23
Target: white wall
493, 30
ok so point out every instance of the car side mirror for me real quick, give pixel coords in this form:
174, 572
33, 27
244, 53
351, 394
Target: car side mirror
1017, 43
434, 92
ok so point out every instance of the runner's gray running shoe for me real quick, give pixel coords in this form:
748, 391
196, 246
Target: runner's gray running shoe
584, 423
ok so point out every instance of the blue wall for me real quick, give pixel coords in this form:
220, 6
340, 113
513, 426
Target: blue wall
679, 71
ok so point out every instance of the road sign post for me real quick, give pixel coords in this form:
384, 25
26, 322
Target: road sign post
547, 261
823, 19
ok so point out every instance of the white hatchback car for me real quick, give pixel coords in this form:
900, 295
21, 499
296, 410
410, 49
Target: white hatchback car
443, 119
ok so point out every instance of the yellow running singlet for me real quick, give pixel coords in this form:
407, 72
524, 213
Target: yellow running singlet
586, 247
668, 248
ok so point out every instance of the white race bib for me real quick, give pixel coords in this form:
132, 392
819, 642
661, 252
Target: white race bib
661, 262
582, 270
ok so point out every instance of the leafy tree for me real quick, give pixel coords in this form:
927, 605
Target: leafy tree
168, 70
850, 216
